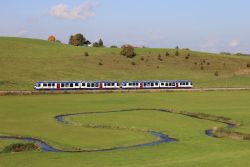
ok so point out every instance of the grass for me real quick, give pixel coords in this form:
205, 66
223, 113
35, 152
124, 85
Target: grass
33, 116
25, 61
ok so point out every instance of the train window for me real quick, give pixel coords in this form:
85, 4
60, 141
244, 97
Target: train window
112, 84
45, 85
83, 84
38, 85
49, 85
71, 85
96, 85
156, 84
92, 85
136, 84
151, 84
162, 84
130, 84
88, 85
166, 84
62, 85
76, 84
53, 85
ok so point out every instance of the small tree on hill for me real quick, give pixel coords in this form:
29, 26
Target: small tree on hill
128, 51
52, 38
77, 40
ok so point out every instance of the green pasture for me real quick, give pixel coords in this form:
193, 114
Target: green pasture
34, 116
25, 61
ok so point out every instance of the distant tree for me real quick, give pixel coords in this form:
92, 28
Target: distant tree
52, 38
100, 43
216, 73
77, 40
248, 65
128, 51
177, 47
58, 41
113, 46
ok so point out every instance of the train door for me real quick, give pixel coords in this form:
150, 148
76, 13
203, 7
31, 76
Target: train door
58, 86
141, 85
100, 85
177, 85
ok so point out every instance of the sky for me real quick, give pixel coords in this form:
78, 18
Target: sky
204, 25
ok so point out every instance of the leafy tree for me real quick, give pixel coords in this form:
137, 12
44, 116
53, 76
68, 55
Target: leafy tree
52, 38
128, 51
77, 40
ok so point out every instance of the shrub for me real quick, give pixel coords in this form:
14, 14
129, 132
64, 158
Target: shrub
142, 58
202, 68
216, 73
248, 65
158, 67
128, 51
52, 39
167, 54
19, 147
208, 63
100, 63
133, 63
113, 46
195, 63
86, 54
159, 57
177, 53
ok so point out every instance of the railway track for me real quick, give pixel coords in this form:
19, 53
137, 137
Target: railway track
40, 92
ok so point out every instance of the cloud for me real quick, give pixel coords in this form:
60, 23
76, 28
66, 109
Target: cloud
81, 12
234, 43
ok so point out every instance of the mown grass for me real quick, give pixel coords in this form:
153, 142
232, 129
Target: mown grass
34, 116
25, 61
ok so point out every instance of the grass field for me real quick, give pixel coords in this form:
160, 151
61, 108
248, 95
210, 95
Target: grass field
34, 116
25, 61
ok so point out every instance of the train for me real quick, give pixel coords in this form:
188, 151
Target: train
113, 85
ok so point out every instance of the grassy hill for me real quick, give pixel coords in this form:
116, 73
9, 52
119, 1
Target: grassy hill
25, 61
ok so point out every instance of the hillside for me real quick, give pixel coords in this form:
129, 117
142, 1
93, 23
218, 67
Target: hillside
25, 61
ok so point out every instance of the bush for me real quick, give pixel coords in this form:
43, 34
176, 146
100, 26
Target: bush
202, 68
216, 73
86, 54
177, 53
133, 63
113, 46
19, 147
142, 58
167, 54
159, 57
248, 65
52, 39
128, 51
100, 63
208, 63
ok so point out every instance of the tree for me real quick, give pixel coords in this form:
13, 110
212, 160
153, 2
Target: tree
128, 51
100, 42
77, 40
52, 38
177, 53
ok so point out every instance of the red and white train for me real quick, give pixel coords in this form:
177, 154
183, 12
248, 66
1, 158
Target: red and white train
112, 85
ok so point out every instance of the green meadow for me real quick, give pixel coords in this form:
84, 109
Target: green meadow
33, 116
26, 61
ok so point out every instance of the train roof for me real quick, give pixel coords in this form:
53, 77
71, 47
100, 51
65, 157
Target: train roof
77, 82
159, 81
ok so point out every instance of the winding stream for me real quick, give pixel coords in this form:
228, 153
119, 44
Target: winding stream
161, 138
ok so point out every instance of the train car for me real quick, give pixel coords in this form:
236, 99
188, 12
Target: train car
168, 84
57, 85
76, 85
